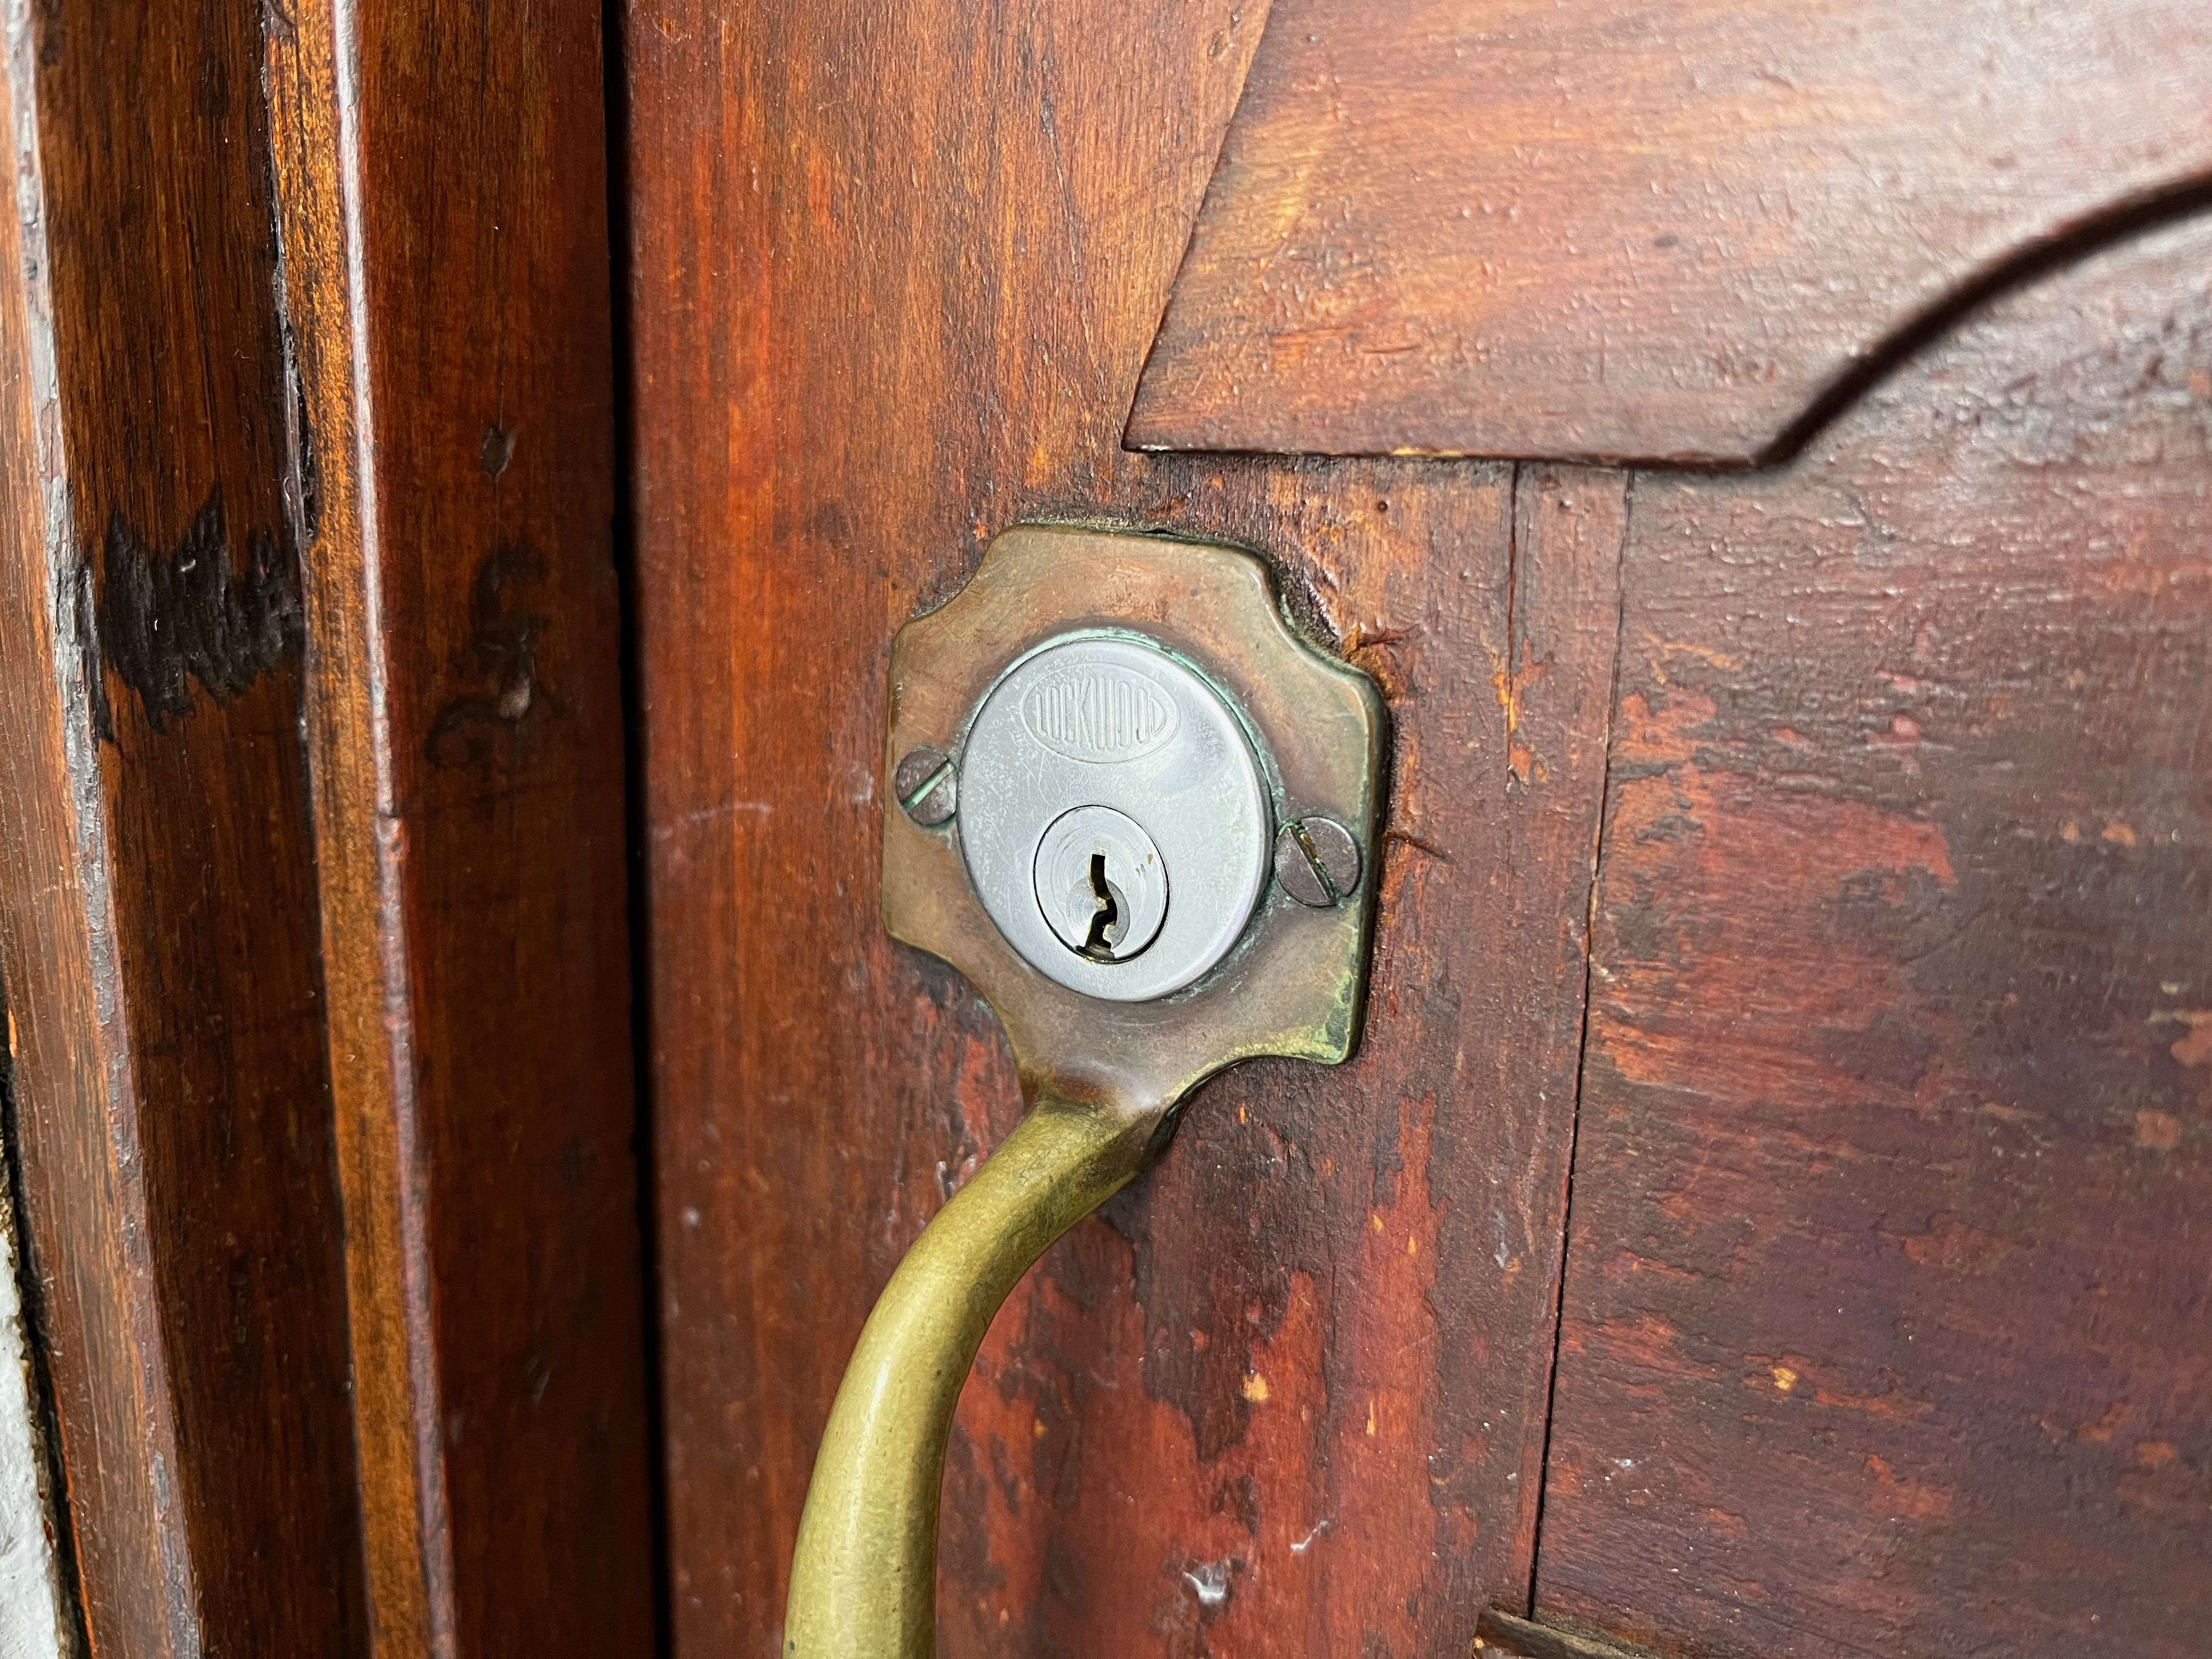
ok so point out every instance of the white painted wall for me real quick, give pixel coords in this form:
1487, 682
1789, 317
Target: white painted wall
31, 1626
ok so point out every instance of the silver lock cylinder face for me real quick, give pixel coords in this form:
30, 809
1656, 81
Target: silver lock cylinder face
1088, 754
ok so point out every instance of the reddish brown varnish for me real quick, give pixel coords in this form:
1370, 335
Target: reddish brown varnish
1886, 1326
1305, 1364
895, 271
1882, 771
1622, 229
444, 212
157, 884
279, 1121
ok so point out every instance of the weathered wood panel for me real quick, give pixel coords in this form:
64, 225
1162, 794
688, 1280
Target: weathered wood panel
1887, 1309
157, 907
1288, 1399
1639, 229
895, 269
441, 175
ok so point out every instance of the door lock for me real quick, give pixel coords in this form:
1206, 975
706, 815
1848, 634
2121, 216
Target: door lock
1135, 810
1112, 817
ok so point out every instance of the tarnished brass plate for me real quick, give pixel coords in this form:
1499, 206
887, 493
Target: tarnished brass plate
1294, 983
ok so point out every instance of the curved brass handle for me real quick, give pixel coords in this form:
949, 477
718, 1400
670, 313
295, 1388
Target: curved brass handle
1104, 1075
864, 1578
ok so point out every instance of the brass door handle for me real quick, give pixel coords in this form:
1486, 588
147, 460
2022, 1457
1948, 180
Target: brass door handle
1147, 856
864, 1578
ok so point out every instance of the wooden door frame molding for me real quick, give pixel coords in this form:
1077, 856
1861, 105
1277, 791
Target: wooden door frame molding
464, 725
182, 1229
323, 1072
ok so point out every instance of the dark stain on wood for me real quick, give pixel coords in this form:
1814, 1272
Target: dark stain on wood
157, 897
195, 614
474, 731
497, 454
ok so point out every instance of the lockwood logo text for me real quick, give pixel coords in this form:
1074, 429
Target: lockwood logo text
1099, 713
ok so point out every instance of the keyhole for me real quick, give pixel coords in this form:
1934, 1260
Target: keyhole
1099, 885
1104, 931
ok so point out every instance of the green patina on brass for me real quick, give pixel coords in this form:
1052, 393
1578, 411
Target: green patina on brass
1103, 1078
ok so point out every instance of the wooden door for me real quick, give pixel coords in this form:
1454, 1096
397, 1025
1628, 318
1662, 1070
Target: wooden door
1765, 455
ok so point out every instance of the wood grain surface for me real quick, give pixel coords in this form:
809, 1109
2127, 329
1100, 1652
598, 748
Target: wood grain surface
1887, 1311
1514, 1638
441, 177
157, 897
1640, 229
894, 270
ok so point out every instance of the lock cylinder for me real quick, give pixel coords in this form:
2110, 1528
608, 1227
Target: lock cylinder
1101, 884
1114, 818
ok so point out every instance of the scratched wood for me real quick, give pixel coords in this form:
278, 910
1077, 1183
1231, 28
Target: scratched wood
1287, 1396
157, 896
1640, 229
444, 212
1887, 1316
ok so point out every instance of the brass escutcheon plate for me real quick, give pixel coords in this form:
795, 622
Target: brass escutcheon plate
1293, 985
